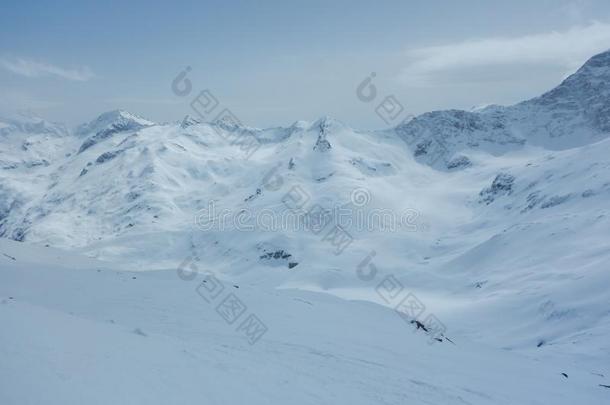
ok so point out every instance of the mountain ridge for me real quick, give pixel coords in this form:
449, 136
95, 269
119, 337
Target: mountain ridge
496, 221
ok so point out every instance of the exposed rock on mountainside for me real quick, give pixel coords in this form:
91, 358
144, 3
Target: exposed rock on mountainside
108, 124
575, 113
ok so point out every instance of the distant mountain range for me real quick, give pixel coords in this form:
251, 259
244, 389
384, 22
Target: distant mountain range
497, 220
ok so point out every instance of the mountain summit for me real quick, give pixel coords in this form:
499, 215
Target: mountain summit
575, 113
113, 120
493, 223
139, 175
108, 124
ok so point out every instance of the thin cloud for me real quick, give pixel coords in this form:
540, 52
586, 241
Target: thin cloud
30, 68
567, 50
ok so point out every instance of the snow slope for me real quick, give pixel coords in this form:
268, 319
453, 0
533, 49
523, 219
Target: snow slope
494, 222
77, 332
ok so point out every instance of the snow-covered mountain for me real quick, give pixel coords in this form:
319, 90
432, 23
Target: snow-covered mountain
575, 113
497, 220
132, 175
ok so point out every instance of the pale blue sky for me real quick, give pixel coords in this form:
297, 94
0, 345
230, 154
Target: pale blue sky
276, 62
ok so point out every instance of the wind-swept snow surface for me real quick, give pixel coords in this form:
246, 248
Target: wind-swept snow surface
461, 257
74, 331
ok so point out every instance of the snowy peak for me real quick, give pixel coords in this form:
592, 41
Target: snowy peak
327, 125
108, 124
436, 136
299, 125
597, 67
583, 99
324, 127
189, 121
588, 87
115, 119
573, 114
29, 123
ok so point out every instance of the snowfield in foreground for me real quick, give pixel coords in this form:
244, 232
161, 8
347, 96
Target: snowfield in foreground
471, 266
82, 333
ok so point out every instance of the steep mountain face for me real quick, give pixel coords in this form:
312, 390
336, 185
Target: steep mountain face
27, 141
436, 137
122, 174
575, 113
501, 231
108, 124
29, 146
116, 120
